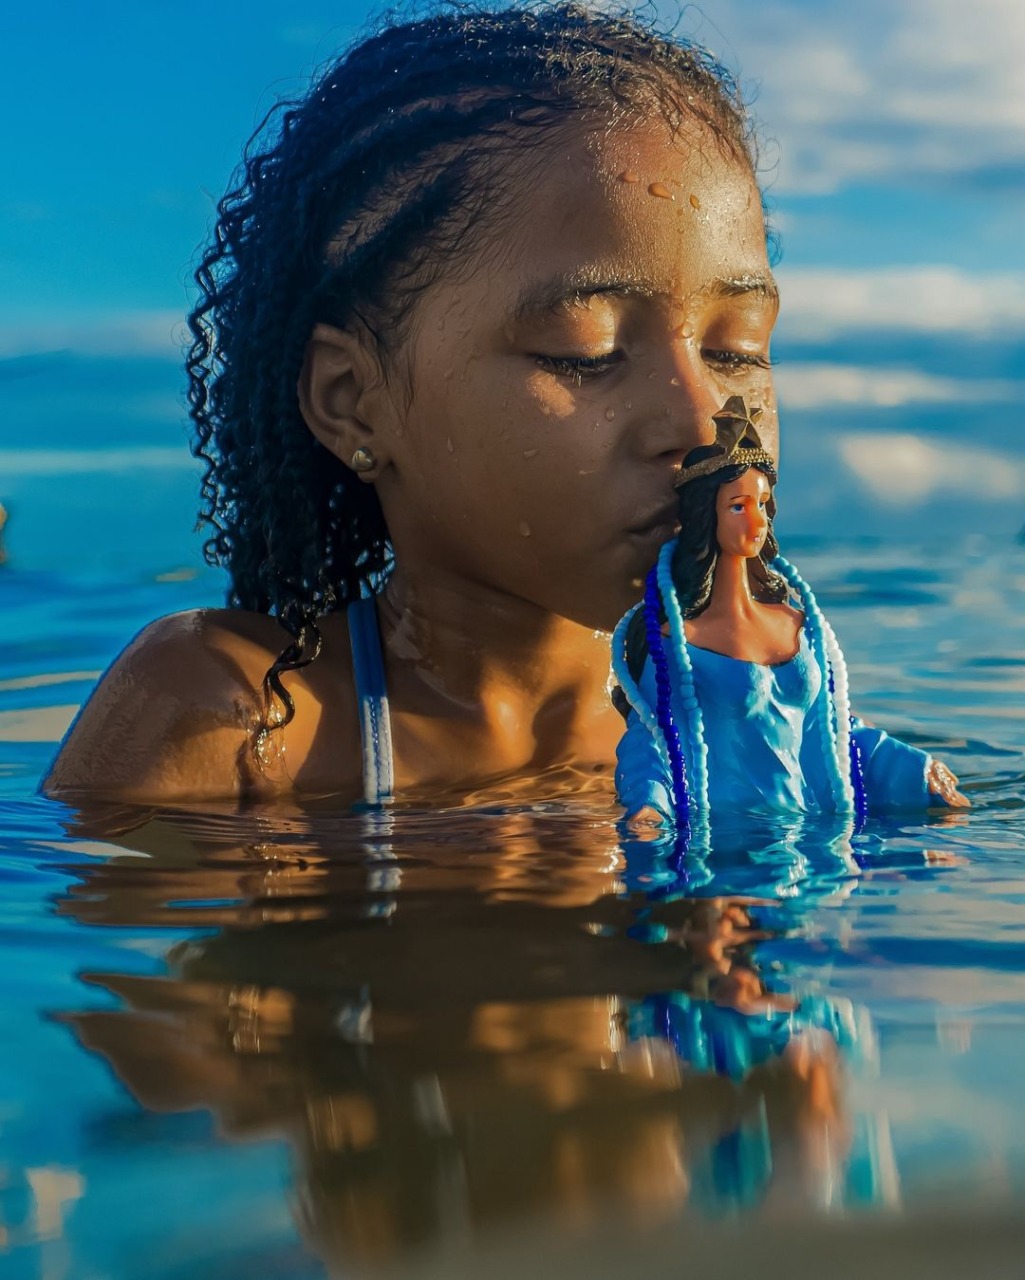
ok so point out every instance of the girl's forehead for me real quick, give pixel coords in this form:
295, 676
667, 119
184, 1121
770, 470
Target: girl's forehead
663, 212
689, 145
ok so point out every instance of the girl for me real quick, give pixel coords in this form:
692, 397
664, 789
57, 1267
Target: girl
737, 699
472, 301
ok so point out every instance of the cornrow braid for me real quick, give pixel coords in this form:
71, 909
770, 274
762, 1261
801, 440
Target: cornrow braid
348, 203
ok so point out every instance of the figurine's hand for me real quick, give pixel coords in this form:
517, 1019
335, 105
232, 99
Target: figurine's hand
943, 783
644, 819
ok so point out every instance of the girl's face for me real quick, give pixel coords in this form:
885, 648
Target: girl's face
624, 295
742, 515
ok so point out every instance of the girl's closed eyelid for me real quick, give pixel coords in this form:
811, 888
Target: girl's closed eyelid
754, 360
578, 367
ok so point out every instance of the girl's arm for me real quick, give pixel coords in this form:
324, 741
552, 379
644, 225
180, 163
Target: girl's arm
177, 716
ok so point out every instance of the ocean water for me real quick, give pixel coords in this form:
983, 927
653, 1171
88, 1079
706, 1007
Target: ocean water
504, 1039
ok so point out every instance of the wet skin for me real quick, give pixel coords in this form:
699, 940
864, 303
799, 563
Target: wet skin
527, 435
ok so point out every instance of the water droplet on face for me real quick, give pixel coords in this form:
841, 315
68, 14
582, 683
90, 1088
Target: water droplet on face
627, 404
448, 374
449, 445
651, 376
657, 189
674, 382
695, 203
609, 414
685, 330
524, 529
628, 175
530, 453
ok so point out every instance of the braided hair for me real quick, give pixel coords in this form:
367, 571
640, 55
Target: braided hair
348, 203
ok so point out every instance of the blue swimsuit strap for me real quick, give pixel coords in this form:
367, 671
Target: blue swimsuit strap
374, 718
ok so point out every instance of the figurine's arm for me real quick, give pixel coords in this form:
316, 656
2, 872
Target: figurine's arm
899, 776
643, 780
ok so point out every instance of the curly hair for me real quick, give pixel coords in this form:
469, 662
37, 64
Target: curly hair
696, 552
348, 203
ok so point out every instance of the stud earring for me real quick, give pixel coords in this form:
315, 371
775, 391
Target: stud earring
363, 460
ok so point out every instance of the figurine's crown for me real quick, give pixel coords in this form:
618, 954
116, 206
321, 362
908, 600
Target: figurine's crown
735, 438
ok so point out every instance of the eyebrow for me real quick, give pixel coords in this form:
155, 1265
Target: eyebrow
568, 290
740, 286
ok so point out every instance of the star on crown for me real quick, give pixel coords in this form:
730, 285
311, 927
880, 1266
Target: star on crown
737, 439
734, 422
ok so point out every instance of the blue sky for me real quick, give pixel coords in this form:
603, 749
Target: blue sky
893, 143
892, 135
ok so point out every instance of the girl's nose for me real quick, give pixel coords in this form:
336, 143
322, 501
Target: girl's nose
685, 396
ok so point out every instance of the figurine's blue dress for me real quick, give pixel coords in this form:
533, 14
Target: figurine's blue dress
762, 728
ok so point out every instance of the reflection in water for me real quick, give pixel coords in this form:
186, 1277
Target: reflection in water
491, 1017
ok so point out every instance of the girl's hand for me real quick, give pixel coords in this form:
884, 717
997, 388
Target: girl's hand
943, 783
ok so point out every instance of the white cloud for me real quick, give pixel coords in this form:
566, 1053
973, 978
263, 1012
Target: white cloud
36, 463
821, 303
905, 470
42, 724
818, 386
124, 333
924, 87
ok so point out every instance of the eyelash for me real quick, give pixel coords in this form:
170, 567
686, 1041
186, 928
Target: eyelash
735, 359
581, 368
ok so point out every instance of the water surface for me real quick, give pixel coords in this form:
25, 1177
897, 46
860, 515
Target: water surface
306, 1042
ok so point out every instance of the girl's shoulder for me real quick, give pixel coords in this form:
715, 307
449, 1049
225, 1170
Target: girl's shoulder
179, 714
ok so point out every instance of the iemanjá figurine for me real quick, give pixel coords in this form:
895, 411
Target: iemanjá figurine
732, 682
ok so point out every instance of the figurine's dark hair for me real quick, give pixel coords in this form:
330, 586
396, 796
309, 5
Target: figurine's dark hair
349, 202
697, 551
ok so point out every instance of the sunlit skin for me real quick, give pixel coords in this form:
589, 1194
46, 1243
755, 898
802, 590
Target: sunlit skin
526, 438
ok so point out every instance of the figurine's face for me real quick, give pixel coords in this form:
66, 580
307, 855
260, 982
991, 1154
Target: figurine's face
742, 515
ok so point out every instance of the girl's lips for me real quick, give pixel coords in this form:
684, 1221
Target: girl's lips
657, 531
663, 521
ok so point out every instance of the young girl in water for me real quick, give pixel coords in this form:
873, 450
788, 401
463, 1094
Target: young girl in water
471, 302
469, 305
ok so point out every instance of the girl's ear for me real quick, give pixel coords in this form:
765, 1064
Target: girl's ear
340, 373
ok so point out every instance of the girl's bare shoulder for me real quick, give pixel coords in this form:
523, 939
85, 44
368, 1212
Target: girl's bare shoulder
178, 713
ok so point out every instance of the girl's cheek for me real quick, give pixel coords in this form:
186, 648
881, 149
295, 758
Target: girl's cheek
551, 399
768, 425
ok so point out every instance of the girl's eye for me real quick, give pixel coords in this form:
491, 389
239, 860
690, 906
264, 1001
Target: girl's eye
736, 360
737, 507
579, 368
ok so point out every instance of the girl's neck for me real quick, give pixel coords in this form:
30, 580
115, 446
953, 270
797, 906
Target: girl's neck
470, 644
